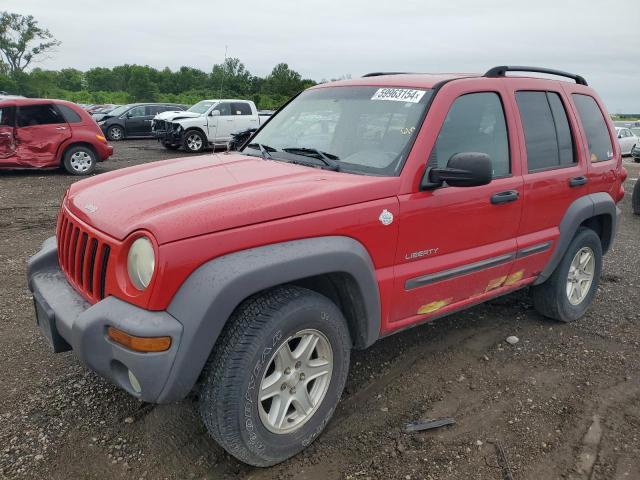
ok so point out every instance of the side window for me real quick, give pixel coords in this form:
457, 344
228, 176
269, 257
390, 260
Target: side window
7, 116
600, 147
139, 111
155, 109
45, 114
546, 130
475, 123
70, 115
241, 108
224, 109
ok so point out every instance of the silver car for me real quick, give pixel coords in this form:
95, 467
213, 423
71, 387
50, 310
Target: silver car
626, 139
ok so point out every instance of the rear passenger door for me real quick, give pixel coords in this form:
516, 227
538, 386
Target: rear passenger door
243, 116
457, 245
41, 129
555, 174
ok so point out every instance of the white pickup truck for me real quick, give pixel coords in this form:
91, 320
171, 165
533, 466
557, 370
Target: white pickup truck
208, 123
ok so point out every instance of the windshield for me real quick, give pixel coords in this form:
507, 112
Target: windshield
362, 129
201, 107
119, 110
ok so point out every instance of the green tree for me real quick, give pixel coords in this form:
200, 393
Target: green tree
22, 41
100, 79
70, 79
140, 86
284, 81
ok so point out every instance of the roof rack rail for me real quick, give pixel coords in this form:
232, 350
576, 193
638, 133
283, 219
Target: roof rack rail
502, 70
377, 74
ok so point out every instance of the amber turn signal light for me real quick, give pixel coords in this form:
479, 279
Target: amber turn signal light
139, 344
101, 138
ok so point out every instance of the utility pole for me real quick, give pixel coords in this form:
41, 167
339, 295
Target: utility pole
224, 64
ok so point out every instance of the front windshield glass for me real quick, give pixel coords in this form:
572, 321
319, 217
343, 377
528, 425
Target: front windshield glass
119, 110
362, 129
201, 107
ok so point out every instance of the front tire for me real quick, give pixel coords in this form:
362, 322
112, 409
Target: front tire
194, 141
80, 160
115, 133
276, 375
568, 292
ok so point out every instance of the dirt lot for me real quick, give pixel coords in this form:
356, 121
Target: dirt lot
561, 398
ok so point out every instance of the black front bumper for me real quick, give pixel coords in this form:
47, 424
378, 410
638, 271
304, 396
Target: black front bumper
70, 322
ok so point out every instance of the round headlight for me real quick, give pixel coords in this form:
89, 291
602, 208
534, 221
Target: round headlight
141, 262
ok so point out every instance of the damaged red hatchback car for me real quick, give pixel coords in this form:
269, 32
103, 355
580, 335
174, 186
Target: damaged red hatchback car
40, 133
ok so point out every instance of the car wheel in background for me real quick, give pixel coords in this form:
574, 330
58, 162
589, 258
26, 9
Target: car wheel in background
80, 160
115, 133
275, 375
194, 141
568, 292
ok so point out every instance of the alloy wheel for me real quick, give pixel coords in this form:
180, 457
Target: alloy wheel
295, 381
581, 274
194, 142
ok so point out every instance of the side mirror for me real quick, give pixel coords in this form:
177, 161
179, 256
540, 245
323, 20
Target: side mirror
466, 169
619, 135
215, 113
128, 115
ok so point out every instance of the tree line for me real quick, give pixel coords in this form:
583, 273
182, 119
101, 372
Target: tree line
23, 42
137, 83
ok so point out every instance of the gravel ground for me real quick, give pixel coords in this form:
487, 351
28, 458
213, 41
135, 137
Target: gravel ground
563, 402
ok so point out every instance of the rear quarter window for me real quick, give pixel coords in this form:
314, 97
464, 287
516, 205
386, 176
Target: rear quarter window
69, 114
595, 128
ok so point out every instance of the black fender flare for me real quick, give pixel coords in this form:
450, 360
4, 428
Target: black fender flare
208, 297
581, 210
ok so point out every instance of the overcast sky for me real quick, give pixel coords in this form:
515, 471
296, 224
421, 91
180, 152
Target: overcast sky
331, 38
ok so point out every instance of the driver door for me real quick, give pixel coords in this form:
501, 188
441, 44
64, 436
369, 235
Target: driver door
7, 135
138, 121
459, 243
220, 124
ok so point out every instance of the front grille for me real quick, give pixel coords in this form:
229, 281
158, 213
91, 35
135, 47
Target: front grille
159, 126
82, 257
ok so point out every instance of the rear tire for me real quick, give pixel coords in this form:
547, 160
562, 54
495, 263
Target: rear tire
80, 160
556, 298
635, 198
268, 390
194, 141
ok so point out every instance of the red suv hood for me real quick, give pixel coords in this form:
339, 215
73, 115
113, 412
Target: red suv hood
186, 197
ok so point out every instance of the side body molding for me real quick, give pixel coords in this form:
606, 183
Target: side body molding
578, 212
206, 300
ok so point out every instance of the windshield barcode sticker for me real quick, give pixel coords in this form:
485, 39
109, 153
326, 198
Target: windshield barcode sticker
399, 95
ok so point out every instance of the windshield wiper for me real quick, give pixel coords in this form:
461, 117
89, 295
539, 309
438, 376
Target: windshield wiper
264, 149
323, 156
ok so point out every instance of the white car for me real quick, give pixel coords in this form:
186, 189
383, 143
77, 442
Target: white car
626, 139
208, 123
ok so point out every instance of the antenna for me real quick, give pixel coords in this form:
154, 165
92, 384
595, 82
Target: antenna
223, 67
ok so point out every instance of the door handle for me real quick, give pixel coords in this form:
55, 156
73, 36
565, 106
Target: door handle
505, 197
577, 181
61, 128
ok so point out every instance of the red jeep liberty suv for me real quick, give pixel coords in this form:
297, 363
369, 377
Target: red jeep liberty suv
361, 208
47, 134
